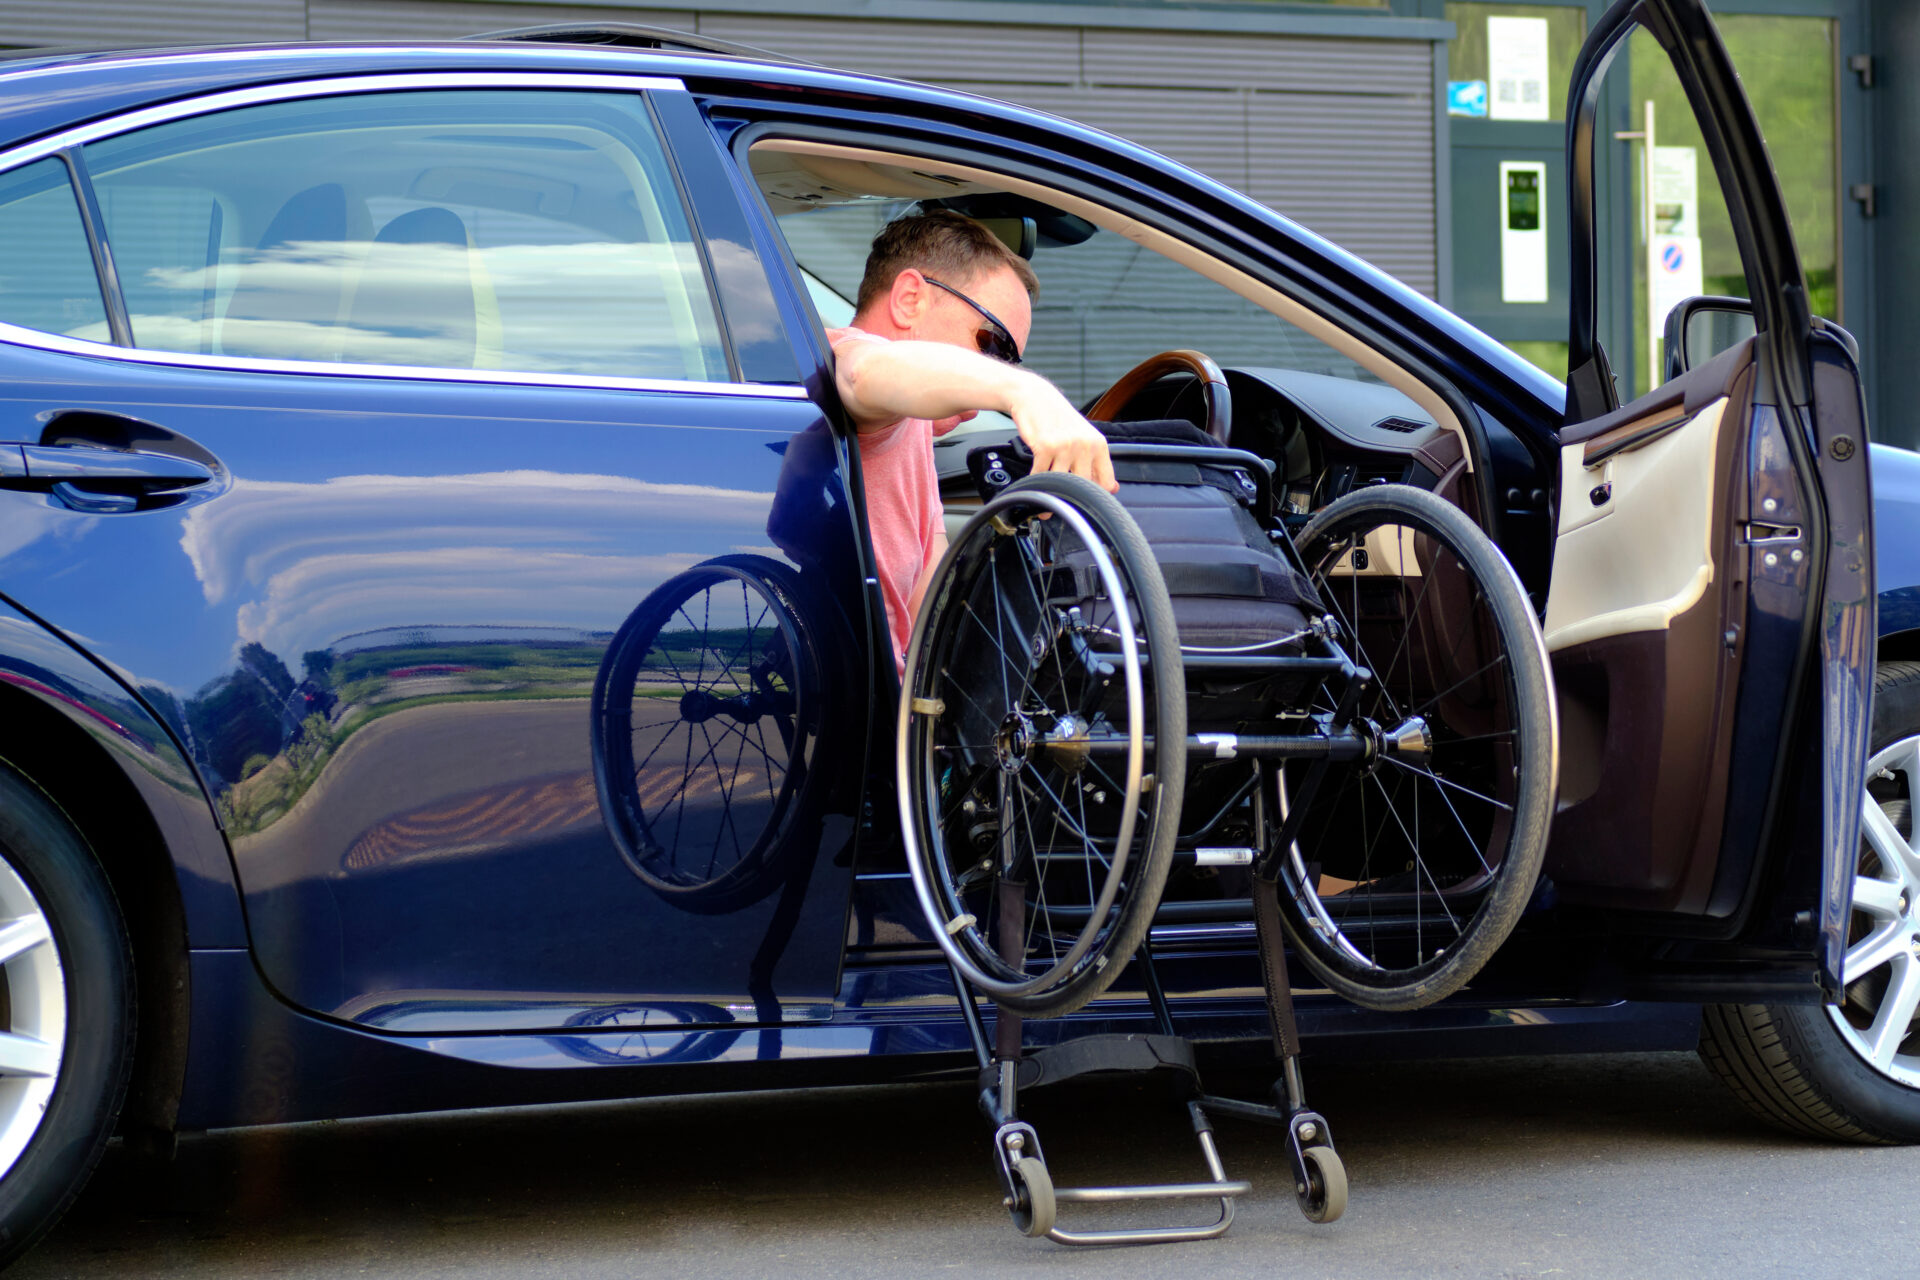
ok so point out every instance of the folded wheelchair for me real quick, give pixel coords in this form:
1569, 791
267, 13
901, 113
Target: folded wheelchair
1354, 705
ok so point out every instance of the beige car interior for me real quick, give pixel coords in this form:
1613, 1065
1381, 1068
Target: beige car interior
1646, 583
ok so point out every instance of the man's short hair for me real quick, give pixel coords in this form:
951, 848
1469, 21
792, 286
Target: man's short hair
942, 244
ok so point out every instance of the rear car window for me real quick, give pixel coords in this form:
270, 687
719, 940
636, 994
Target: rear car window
521, 230
47, 280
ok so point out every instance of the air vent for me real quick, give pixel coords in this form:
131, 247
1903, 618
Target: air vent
1406, 425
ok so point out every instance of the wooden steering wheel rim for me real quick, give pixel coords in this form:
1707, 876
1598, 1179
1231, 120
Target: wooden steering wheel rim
1213, 385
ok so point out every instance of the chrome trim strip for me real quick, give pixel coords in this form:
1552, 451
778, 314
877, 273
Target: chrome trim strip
252, 95
18, 336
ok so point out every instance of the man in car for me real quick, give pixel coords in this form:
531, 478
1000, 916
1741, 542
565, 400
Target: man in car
943, 314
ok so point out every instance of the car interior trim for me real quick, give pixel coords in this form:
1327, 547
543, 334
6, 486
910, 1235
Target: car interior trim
1637, 436
1636, 534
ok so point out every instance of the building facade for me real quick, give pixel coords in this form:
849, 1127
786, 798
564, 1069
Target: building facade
1425, 135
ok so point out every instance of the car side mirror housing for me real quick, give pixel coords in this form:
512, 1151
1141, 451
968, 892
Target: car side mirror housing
1698, 329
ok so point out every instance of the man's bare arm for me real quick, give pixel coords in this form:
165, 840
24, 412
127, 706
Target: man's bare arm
884, 382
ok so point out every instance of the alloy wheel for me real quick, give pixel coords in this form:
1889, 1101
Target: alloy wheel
1882, 968
33, 1027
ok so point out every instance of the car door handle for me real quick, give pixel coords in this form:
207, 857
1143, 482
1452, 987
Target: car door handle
41, 466
97, 480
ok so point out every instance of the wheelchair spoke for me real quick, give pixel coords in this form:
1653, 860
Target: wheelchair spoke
1080, 802
669, 726
1059, 807
1419, 864
1451, 785
1412, 623
766, 763
999, 632
1497, 660
746, 643
1350, 626
1472, 842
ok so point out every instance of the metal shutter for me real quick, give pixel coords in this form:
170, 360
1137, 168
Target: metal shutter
437, 20
124, 22
1337, 134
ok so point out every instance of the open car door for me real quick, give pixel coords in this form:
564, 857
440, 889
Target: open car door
1711, 614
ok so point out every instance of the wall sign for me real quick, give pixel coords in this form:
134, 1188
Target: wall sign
1467, 98
1523, 231
1673, 245
1517, 68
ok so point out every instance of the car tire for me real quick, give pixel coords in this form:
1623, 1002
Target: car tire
68, 983
1813, 1069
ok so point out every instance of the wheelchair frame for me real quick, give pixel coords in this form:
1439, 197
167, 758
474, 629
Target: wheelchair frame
1339, 734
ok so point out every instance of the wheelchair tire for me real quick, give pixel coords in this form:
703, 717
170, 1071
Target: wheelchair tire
706, 720
1038, 816
1406, 876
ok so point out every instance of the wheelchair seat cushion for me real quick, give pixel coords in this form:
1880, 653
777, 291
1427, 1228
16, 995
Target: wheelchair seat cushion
1231, 587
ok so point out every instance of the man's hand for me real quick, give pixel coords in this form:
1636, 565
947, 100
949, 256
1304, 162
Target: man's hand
1060, 438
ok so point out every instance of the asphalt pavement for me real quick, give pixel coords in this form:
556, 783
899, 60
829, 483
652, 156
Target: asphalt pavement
1614, 1166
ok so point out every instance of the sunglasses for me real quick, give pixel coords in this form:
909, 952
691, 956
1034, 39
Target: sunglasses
996, 339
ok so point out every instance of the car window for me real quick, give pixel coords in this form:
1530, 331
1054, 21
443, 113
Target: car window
529, 231
46, 276
1105, 302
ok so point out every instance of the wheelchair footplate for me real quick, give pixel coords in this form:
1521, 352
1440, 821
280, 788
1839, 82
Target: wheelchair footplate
1033, 1200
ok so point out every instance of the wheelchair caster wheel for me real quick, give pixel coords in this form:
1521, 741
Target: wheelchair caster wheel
1323, 1198
1032, 1203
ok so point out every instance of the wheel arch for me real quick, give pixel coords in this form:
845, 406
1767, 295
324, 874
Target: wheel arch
1899, 646
117, 774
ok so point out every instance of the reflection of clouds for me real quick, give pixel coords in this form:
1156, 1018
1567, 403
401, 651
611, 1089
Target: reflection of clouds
311, 562
598, 307
30, 642
28, 521
333, 595
259, 527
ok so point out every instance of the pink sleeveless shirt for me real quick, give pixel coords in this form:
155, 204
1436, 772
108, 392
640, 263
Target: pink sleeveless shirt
903, 506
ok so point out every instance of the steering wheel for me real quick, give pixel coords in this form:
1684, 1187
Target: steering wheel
1213, 386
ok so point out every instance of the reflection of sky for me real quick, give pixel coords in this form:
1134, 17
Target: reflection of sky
304, 564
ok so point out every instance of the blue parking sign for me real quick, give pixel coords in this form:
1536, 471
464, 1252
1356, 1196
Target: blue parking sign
1467, 98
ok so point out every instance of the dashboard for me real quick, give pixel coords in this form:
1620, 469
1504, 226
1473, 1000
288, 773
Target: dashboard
1327, 436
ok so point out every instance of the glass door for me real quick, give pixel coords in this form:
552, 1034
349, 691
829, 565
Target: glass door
1675, 232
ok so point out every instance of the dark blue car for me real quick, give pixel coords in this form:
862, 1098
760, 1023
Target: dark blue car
359, 397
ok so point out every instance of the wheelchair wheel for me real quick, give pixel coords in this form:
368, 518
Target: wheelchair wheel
1410, 869
704, 725
1041, 751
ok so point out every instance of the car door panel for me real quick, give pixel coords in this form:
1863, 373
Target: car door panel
1715, 698
387, 558
1646, 584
